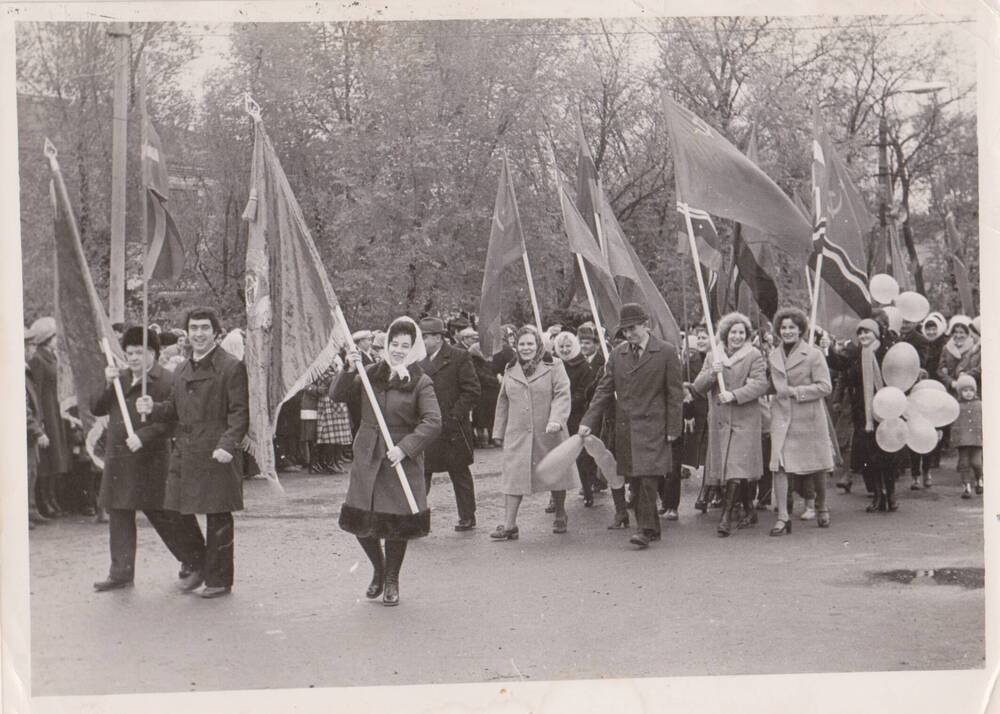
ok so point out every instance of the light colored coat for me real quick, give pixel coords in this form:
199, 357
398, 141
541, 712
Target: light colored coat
525, 406
800, 433
734, 448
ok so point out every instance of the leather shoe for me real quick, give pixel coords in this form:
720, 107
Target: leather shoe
466, 524
640, 539
671, 514
191, 580
214, 592
112, 584
390, 598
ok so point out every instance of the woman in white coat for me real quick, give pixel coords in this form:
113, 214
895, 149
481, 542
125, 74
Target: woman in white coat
532, 410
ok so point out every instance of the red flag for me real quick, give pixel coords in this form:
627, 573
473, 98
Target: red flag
506, 247
165, 256
961, 270
713, 176
80, 317
294, 324
841, 224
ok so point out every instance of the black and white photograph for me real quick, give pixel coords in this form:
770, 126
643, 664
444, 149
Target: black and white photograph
604, 358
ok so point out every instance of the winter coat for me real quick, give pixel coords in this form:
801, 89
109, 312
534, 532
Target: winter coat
734, 448
800, 432
210, 406
376, 503
57, 457
457, 389
953, 363
33, 420
934, 348
134, 481
525, 406
967, 430
648, 411
582, 376
694, 449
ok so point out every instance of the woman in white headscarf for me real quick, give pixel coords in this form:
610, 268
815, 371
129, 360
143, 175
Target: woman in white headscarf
376, 507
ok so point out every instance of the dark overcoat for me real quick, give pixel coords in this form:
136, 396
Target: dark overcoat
210, 406
648, 410
134, 481
582, 376
376, 504
734, 446
457, 390
57, 457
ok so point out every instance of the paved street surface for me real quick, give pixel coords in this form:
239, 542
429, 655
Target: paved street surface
580, 605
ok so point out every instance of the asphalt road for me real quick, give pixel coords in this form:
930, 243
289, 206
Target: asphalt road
581, 605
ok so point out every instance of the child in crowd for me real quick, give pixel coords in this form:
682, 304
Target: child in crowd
967, 435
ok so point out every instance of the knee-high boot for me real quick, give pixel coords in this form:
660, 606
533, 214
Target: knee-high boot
728, 504
621, 509
395, 550
373, 549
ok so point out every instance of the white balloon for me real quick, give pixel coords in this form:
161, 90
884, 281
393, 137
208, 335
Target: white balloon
937, 407
895, 318
913, 306
891, 435
928, 384
884, 288
901, 365
921, 436
889, 403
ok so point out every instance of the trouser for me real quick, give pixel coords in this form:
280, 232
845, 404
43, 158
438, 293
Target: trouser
669, 486
180, 534
220, 535
921, 464
970, 463
646, 516
766, 481
587, 467
465, 491
32, 479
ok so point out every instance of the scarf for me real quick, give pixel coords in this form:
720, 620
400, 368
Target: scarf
730, 359
416, 354
871, 380
956, 351
529, 366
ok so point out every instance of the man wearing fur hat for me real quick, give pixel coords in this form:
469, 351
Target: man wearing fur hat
643, 375
135, 469
457, 390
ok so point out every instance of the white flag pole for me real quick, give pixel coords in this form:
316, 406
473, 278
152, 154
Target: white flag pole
118, 388
701, 289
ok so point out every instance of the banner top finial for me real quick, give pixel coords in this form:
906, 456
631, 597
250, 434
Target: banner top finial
250, 106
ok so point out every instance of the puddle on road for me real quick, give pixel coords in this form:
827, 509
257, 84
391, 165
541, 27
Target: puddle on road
968, 578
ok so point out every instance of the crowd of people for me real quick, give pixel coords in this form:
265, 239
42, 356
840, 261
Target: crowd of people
756, 415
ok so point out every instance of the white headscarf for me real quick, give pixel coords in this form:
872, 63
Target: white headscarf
566, 337
417, 352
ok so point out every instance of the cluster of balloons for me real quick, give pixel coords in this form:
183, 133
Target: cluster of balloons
899, 306
912, 419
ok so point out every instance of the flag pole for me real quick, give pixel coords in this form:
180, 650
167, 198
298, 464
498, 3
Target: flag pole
687, 327
106, 346
701, 289
593, 305
524, 250
144, 140
383, 427
817, 198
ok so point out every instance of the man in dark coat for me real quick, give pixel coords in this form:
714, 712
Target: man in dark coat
643, 374
35, 430
457, 389
210, 404
135, 469
55, 458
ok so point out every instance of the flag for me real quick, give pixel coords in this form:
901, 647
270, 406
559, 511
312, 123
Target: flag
165, 255
294, 324
581, 242
713, 176
751, 275
506, 247
901, 270
706, 239
635, 284
842, 220
961, 270
587, 181
81, 321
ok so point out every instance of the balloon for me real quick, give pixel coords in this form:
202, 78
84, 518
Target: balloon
921, 436
889, 403
928, 384
901, 365
937, 407
913, 306
891, 435
884, 288
557, 462
895, 318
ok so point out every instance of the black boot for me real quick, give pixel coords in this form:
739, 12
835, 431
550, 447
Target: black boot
621, 510
395, 550
728, 504
749, 512
373, 549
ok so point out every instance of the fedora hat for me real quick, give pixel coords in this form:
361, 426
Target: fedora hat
631, 314
432, 326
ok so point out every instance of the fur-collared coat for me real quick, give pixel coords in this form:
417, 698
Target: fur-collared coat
800, 432
734, 447
376, 504
525, 406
